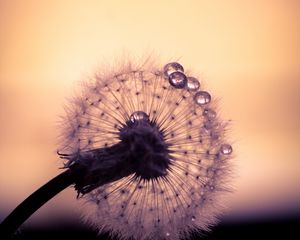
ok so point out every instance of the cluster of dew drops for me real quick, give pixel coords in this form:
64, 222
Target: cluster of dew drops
188, 196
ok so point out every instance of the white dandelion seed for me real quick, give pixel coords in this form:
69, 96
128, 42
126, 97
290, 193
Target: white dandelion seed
151, 150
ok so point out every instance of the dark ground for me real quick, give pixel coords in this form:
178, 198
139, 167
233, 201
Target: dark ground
288, 228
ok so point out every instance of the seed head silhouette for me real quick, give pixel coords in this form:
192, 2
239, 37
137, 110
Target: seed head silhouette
144, 145
151, 150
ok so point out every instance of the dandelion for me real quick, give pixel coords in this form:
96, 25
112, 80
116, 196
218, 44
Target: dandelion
145, 147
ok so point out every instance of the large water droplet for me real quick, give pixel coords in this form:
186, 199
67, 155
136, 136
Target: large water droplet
226, 149
139, 116
168, 234
177, 79
172, 67
193, 84
209, 114
202, 98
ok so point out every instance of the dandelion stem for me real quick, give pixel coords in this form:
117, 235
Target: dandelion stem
32, 203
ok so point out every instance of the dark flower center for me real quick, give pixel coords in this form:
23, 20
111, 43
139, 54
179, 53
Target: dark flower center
142, 151
146, 150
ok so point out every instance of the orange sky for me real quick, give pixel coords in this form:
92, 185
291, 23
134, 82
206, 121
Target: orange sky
248, 53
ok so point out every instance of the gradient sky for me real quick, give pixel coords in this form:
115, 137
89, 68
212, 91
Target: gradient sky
247, 52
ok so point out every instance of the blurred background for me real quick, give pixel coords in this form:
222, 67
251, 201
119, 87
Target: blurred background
247, 52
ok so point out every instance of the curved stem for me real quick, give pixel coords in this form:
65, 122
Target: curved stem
22, 212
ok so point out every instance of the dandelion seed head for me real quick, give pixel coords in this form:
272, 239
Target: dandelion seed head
152, 150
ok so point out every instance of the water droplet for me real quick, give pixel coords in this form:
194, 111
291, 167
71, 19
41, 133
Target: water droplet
193, 218
210, 187
209, 114
226, 149
139, 116
208, 125
177, 79
172, 67
193, 83
202, 98
168, 234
